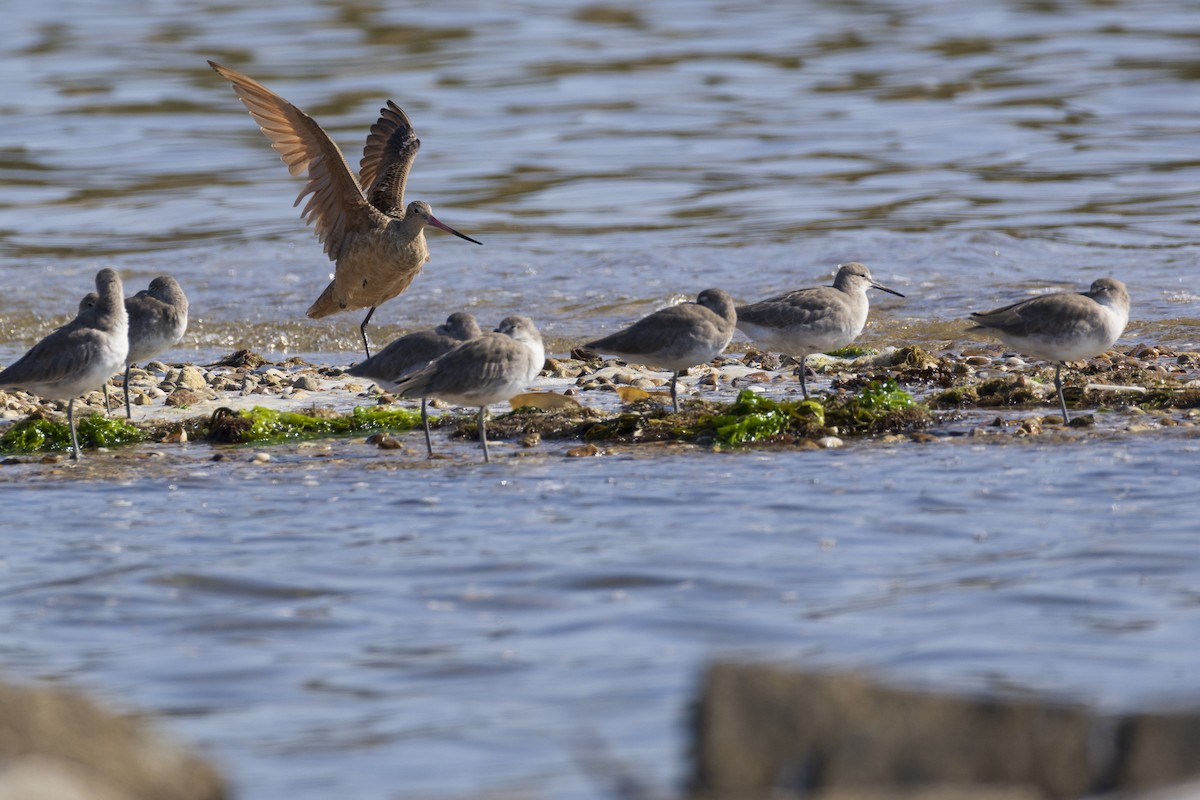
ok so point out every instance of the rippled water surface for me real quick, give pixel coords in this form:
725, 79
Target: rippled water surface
337, 627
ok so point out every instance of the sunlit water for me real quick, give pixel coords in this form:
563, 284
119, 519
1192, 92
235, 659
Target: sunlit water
335, 627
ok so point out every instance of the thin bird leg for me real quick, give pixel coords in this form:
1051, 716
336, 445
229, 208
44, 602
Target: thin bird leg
803, 376
71, 424
1062, 403
674, 397
483, 432
106, 408
425, 424
362, 329
128, 408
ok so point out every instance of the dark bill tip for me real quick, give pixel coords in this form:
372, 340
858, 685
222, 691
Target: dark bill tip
437, 223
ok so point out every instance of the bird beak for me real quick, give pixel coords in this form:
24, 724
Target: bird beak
437, 223
882, 288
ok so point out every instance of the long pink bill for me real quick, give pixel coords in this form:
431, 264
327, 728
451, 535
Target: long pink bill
437, 223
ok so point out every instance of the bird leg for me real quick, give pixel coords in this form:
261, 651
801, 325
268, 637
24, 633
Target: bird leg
483, 432
425, 424
1062, 403
362, 329
106, 408
128, 408
71, 424
803, 376
674, 396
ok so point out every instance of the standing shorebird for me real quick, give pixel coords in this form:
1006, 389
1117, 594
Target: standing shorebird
815, 320
376, 242
489, 369
676, 337
412, 352
78, 357
158, 318
1064, 326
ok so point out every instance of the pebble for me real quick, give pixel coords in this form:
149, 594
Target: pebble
306, 382
829, 442
261, 458
191, 378
385, 442
182, 397
584, 451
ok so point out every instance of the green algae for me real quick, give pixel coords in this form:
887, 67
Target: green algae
880, 406
753, 418
852, 351
37, 433
266, 425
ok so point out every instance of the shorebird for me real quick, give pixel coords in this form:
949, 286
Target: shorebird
1064, 326
78, 357
376, 242
414, 351
158, 318
488, 369
676, 337
815, 320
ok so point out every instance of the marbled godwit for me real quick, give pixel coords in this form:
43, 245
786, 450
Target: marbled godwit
376, 242
1064, 326
807, 321
158, 318
489, 369
78, 357
676, 337
414, 351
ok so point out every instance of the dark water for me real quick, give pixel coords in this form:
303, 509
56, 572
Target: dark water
335, 627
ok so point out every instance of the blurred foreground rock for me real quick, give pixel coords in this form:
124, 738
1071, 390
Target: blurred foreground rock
769, 732
58, 745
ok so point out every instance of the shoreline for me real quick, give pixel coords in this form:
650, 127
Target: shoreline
983, 394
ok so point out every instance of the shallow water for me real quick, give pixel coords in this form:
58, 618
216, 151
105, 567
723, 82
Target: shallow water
327, 625
333, 628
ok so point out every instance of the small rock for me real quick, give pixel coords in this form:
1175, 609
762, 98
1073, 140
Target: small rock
261, 458
584, 451
922, 437
532, 439
1084, 421
306, 382
829, 442
978, 361
385, 442
182, 397
191, 378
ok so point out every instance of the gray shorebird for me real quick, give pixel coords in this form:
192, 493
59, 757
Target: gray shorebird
78, 357
488, 369
1064, 326
816, 320
412, 352
158, 318
376, 242
676, 337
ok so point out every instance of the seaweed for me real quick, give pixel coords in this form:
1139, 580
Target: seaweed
267, 425
38, 433
880, 406
753, 418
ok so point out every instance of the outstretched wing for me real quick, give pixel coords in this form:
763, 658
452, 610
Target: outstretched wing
387, 157
337, 208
